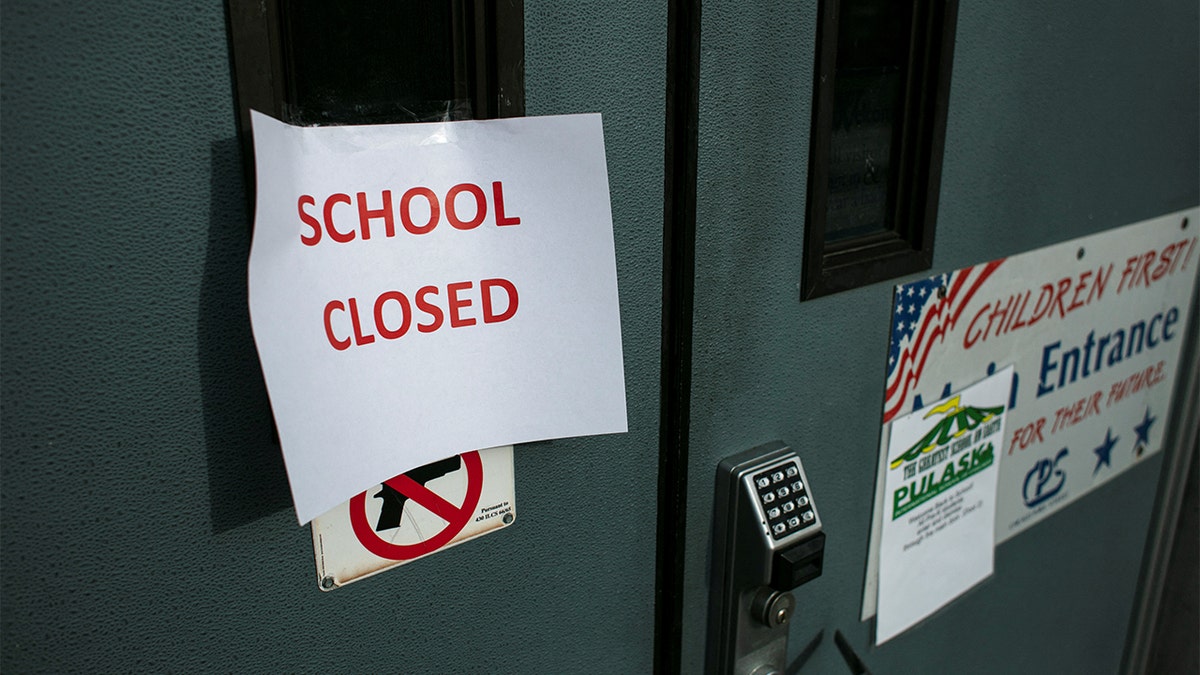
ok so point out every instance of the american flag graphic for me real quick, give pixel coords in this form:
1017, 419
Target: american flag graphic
923, 313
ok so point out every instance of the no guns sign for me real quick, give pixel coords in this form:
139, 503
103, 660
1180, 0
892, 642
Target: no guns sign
425, 510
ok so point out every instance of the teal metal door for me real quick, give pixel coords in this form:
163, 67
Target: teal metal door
146, 517
1064, 120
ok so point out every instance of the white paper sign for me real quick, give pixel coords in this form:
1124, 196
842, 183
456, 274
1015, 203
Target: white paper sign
939, 509
418, 289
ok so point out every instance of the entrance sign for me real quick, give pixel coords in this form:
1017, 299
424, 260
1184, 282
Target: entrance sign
420, 288
1093, 329
939, 509
412, 515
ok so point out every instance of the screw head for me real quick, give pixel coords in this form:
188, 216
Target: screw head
508, 518
327, 583
781, 617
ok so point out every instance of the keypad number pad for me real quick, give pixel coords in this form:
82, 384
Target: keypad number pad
784, 498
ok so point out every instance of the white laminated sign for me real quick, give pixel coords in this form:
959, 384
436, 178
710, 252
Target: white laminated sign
1093, 330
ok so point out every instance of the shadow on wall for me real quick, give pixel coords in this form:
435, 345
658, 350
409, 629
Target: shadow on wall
246, 477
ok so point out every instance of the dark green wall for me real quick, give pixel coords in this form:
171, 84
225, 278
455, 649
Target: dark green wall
1065, 118
146, 519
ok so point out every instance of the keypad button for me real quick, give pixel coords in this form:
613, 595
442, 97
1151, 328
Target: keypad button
797, 486
783, 491
793, 522
802, 501
777, 476
763, 482
779, 528
807, 516
788, 507
792, 471
768, 498
774, 513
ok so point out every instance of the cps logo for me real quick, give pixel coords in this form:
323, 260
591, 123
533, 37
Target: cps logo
1044, 480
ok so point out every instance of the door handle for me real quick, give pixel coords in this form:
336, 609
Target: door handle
768, 540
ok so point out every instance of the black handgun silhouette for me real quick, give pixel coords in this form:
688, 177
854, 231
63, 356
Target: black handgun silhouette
393, 500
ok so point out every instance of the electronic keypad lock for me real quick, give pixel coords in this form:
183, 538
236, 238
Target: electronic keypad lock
767, 541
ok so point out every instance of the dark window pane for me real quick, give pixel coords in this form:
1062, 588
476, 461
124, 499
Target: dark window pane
373, 61
868, 109
860, 154
879, 122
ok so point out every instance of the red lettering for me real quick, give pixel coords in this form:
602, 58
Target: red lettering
1041, 311
1076, 303
457, 303
1188, 257
393, 312
312, 222
1064, 285
1101, 282
485, 288
969, 339
365, 215
434, 312
1002, 314
1127, 272
1164, 262
452, 206
334, 199
1017, 321
1027, 435
498, 197
1146, 260
406, 216
385, 332
339, 345
359, 338
387, 213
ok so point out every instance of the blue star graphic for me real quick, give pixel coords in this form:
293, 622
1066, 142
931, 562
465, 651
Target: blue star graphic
1143, 433
1104, 451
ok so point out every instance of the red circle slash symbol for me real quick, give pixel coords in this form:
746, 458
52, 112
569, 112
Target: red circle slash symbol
456, 517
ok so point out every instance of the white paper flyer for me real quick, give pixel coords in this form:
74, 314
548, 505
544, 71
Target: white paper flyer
422, 290
940, 503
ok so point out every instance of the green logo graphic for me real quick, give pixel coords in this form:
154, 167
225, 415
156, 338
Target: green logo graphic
909, 496
957, 421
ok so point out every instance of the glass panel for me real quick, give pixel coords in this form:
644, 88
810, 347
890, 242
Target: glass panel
370, 61
868, 109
